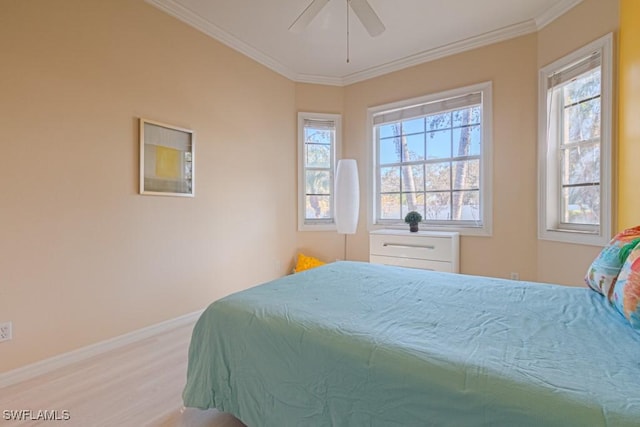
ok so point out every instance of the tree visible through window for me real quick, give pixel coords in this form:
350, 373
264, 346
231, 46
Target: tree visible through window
580, 149
575, 146
429, 159
318, 145
319, 138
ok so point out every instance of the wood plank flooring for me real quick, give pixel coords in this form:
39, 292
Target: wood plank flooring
136, 385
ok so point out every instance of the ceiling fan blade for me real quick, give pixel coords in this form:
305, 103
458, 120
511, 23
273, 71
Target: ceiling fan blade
307, 15
367, 16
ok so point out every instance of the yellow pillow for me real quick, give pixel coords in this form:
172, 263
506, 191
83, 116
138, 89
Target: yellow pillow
306, 262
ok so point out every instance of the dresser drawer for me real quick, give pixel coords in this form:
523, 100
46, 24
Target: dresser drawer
419, 247
429, 250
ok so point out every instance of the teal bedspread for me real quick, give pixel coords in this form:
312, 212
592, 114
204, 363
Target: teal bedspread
354, 344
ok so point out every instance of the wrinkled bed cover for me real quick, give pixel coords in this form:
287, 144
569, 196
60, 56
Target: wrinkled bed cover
355, 344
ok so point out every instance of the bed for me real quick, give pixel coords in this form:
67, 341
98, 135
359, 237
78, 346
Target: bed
357, 344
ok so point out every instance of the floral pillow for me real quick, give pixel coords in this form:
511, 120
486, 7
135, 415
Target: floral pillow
306, 262
603, 272
626, 293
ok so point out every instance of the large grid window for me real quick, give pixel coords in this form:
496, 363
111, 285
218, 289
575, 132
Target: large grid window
575, 147
431, 158
319, 136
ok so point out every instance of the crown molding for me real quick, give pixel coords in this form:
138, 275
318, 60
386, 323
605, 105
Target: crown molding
554, 12
194, 20
189, 17
446, 50
320, 80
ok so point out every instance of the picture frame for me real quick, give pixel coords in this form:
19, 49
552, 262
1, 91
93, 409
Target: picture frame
166, 159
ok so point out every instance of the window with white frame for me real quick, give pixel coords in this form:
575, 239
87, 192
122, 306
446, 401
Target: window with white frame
575, 146
433, 155
318, 145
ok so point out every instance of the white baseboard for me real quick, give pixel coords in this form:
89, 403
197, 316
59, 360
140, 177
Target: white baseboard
45, 366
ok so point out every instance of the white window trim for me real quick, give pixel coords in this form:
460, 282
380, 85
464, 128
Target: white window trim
486, 161
329, 224
546, 211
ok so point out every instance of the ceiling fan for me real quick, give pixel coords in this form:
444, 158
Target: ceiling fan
361, 8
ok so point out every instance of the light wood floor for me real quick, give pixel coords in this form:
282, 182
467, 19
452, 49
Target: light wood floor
136, 385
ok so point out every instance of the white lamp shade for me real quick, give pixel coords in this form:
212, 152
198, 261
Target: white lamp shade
347, 196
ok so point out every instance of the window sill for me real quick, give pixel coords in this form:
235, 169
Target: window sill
575, 237
317, 227
484, 231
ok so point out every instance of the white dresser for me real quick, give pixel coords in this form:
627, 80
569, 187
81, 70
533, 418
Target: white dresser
428, 250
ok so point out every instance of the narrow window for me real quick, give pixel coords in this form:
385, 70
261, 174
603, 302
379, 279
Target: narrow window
318, 143
575, 146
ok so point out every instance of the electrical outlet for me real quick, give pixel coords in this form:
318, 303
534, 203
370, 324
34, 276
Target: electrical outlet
514, 276
5, 331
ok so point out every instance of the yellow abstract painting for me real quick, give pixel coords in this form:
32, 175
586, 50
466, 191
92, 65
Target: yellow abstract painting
167, 163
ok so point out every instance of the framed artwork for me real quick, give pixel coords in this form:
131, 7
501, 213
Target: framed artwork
166, 159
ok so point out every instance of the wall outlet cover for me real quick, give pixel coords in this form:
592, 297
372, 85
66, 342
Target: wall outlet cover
5, 331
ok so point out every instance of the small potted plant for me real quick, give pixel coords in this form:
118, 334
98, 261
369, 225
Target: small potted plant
413, 218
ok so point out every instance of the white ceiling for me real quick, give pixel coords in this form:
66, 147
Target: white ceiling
416, 31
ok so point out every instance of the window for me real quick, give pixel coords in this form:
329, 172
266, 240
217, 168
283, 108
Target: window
432, 155
575, 146
318, 145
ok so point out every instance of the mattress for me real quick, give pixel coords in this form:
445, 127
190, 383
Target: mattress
356, 344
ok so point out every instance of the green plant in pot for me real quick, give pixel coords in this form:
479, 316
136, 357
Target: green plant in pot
413, 218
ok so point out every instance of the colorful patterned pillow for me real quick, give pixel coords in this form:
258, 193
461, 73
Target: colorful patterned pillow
306, 262
626, 293
603, 272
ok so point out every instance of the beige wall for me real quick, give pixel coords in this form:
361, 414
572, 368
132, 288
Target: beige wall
511, 67
591, 19
83, 257
313, 98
